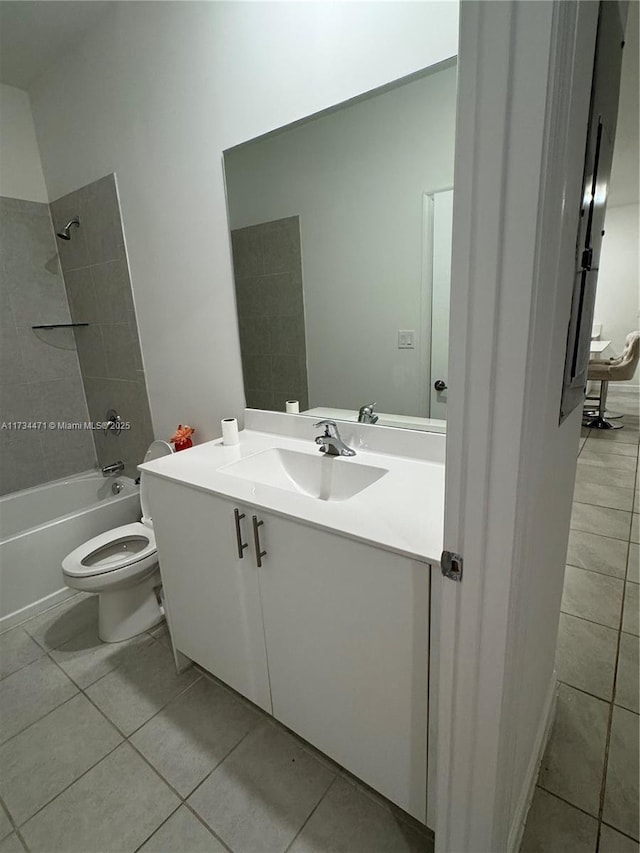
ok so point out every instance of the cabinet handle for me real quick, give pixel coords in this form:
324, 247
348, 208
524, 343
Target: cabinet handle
241, 545
256, 538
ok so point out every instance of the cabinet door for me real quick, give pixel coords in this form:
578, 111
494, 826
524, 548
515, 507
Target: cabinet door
347, 637
212, 596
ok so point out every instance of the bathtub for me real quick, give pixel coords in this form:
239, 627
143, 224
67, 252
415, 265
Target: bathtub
41, 525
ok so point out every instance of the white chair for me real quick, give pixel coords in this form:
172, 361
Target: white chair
618, 369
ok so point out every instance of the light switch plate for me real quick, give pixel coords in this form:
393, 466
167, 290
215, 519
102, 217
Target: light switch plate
406, 339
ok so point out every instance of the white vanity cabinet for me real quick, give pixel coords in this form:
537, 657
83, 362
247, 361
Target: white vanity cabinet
347, 633
346, 627
212, 596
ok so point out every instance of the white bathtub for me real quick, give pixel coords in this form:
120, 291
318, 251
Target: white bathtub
40, 526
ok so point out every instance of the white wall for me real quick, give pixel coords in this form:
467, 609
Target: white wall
20, 167
618, 295
155, 94
356, 177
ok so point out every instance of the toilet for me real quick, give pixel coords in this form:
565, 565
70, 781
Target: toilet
121, 566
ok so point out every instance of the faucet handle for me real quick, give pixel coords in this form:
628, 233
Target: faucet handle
330, 427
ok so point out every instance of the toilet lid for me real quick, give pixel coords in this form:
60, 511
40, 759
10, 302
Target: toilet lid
117, 548
157, 449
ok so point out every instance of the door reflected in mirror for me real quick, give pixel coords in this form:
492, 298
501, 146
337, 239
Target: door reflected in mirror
341, 239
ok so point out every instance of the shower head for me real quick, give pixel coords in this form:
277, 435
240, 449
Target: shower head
64, 234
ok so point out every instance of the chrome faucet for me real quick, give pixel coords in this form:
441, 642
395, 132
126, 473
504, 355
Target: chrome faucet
330, 441
113, 468
366, 416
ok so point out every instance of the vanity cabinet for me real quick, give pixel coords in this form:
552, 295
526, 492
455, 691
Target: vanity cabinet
212, 596
341, 628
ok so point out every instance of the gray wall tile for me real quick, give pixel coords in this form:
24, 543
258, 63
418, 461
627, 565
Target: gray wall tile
287, 335
121, 351
270, 304
283, 294
73, 253
91, 351
281, 245
255, 336
112, 291
40, 376
109, 349
101, 221
246, 245
257, 371
81, 296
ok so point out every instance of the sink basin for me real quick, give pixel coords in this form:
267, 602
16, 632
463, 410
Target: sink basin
327, 478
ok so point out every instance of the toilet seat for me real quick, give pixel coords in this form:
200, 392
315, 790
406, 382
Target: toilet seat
101, 555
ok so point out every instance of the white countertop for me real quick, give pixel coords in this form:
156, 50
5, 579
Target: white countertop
402, 512
598, 346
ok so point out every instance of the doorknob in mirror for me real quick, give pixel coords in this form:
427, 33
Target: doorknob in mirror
440, 385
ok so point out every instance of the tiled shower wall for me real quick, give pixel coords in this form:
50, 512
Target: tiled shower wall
267, 262
39, 372
96, 274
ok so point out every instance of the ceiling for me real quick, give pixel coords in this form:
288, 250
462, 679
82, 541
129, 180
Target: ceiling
33, 34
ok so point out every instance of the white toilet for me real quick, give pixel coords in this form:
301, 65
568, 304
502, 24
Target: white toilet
121, 566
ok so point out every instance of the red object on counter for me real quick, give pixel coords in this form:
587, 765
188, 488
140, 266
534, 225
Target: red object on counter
181, 439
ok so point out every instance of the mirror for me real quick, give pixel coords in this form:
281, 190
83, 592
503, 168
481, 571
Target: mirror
341, 240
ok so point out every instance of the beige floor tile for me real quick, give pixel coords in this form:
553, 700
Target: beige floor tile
141, 686
599, 495
85, 658
593, 596
61, 623
627, 685
574, 759
30, 693
116, 806
610, 461
587, 472
258, 799
627, 435
554, 826
586, 655
635, 528
11, 844
347, 821
597, 553
194, 733
612, 841
17, 649
183, 832
40, 762
601, 520
633, 564
630, 618
6, 827
622, 794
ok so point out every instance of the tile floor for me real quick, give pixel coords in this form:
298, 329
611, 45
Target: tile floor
587, 796
105, 748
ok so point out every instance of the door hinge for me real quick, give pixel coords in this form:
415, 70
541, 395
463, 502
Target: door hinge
451, 564
587, 259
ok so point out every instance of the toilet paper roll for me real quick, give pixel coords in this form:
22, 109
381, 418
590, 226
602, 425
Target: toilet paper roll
293, 407
230, 431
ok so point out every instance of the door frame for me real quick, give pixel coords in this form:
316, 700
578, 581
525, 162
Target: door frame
426, 297
523, 98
